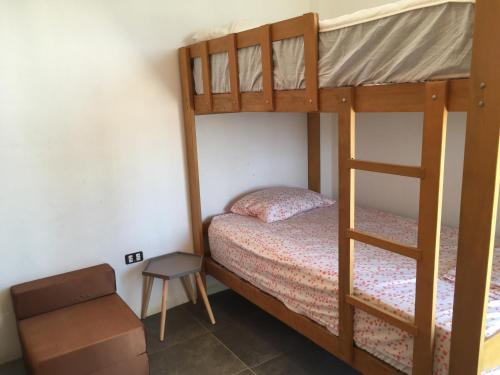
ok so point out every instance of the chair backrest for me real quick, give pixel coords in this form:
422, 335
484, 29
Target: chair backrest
55, 292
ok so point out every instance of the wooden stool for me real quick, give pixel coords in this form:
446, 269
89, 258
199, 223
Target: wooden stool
171, 266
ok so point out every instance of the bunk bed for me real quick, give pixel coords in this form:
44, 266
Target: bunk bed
429, 56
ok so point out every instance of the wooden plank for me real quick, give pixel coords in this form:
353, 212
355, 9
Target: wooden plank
311, 58
362, 361
404, 97
291, 101
201, 50
458, 95
314, 151
390, 98
330, 99
248, 38
371, 365
305, 26
491, 354
395, 247
233, 72
479, 195
261, 36
196, 50
290, 28
387, 316
429, 224
191, 150
267, 67
399, 170
346, 221
227, 44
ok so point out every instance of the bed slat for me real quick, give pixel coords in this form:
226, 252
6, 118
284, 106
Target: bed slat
260, 36
201, 50
305, 26
311, 58
390, 318
395, 247
228, 44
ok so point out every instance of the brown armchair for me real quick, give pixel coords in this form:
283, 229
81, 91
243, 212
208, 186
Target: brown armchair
75, 323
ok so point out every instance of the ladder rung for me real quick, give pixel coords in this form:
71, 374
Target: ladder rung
400, 170
391, 318
395, 247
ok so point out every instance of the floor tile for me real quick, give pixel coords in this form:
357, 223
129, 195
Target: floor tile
306, 360
227, 306
13, 368
180, 326
258, 337
201, 355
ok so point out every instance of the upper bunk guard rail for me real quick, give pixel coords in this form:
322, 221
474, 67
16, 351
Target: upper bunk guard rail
426, 253
305, 26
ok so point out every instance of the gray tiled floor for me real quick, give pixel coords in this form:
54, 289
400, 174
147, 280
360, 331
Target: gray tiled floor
245, 341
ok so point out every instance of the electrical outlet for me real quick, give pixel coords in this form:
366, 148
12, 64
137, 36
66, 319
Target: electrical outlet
134, 257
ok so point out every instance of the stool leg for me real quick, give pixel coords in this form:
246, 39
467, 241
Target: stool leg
147, 285
163, 309
188, 288
203, 293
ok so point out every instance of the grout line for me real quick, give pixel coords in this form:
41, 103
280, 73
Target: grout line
245, 369
268, 360
233, 353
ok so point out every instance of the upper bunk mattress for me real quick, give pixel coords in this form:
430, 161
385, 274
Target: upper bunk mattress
296, 261
406, 41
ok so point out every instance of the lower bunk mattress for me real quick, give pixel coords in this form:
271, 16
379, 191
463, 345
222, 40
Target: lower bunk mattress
296, 261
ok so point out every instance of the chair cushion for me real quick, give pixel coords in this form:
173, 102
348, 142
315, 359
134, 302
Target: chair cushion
54, 292
83, 338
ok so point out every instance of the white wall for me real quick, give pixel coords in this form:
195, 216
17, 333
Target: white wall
394, 138
92, 159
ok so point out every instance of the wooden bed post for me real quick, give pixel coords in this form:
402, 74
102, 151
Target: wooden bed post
346, 221
479, 196
191, 149
314, 151
429, 224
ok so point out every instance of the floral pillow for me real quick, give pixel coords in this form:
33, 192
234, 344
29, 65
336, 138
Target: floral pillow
280, 203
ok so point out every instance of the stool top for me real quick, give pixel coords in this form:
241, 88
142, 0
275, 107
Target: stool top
173, 265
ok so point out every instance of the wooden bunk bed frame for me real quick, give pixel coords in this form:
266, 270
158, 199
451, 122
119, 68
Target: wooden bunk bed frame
479, 96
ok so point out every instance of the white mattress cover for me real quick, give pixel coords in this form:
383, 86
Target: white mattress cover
295, 260
376, 13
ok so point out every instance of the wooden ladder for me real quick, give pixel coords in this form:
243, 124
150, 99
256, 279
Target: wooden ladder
426, 254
